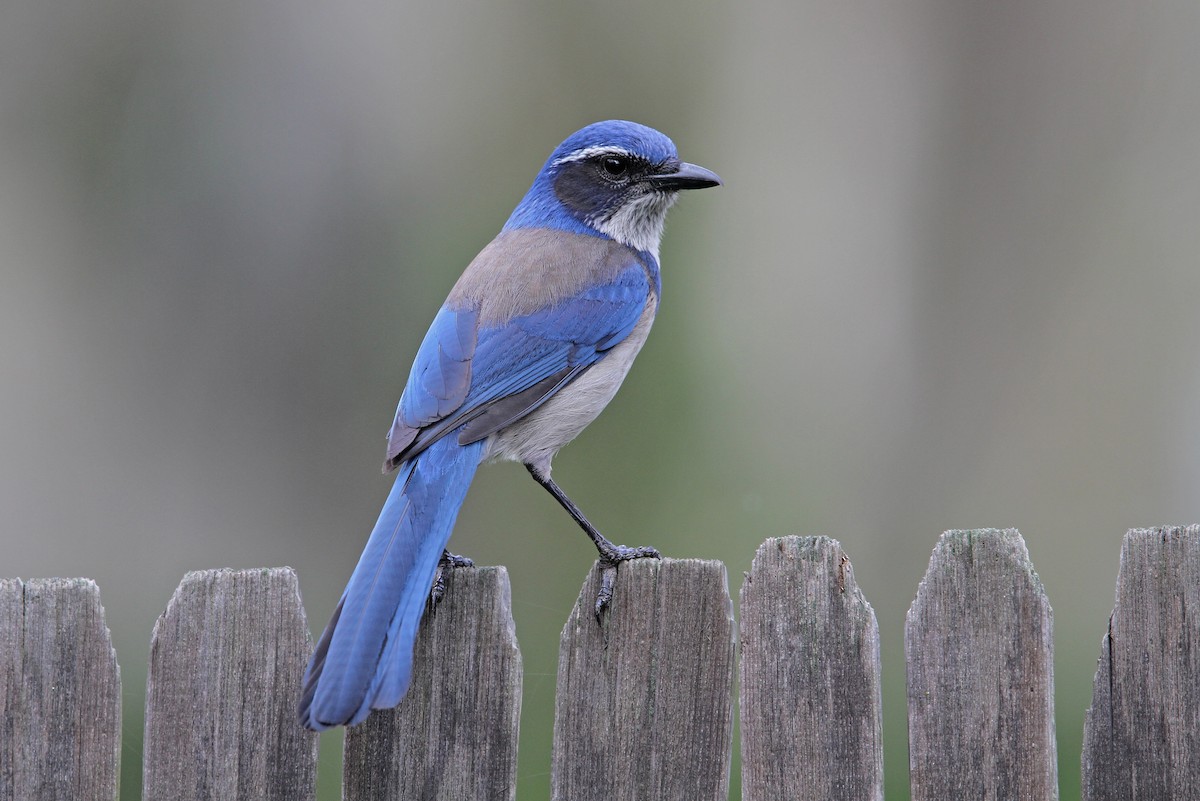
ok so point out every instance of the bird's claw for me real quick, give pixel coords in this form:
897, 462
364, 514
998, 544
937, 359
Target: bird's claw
448, 562
609, 559
623, 553
608, 578
454, 560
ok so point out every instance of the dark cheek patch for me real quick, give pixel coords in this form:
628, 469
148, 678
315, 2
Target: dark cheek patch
578, 191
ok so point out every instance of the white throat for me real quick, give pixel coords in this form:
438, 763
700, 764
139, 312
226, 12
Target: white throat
638, 223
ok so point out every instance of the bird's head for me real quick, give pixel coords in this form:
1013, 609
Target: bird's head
615, 178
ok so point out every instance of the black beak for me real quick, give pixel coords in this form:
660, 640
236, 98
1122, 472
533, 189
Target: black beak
688, 176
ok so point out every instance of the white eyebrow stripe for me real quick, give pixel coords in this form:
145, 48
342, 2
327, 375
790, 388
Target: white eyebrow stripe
586, 153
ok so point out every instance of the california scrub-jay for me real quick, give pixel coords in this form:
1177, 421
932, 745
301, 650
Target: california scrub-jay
531, 345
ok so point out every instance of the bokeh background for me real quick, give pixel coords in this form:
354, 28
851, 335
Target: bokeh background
951, 282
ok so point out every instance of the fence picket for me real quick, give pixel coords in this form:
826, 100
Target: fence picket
644, 702
644, 697
454, 736
60, 693
226, 661
1142, 731
810, 684
979, 649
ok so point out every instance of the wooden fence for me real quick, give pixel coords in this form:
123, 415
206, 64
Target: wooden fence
644, 701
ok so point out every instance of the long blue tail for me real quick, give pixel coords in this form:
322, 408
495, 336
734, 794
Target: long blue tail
364, 659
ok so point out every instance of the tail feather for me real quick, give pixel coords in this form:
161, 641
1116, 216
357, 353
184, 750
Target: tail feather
363, 660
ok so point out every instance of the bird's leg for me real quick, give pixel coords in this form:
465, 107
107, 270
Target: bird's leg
610, 555
608, 551
448, 562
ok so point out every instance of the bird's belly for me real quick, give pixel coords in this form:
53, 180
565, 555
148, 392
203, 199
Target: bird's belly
535, 439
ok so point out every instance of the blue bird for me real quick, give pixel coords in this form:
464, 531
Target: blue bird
531, 345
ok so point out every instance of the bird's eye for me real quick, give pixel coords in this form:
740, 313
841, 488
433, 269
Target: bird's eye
614, 166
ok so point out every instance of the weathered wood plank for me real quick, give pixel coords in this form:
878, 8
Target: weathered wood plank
811, 706
226, 661
454, 736
643, 708
978, 642
1142, 731
60, 693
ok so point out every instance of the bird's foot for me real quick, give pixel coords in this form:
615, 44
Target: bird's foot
611, 556
448, 562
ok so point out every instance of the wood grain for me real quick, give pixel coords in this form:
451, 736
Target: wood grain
454, 736
644, 701
1142, 731
226, 661
810, 680
60, 693
978, 641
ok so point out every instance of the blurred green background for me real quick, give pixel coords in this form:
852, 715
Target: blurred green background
951, 282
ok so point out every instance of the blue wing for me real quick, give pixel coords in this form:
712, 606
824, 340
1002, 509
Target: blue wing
490, 377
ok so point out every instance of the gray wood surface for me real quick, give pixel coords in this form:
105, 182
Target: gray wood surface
226, 661
1142, 731
810, 687
454, 736
60, 693
980, 673
643, 707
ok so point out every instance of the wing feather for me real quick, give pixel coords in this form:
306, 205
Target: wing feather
490, 377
